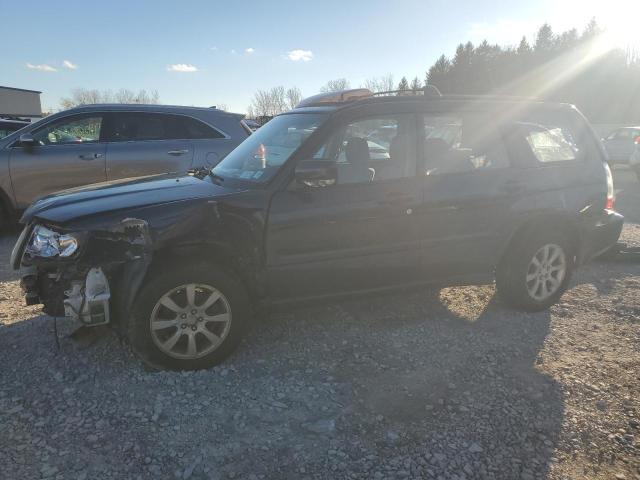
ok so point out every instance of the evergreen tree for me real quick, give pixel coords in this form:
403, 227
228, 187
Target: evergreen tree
558, 67
438, 74
403, 85
416, 84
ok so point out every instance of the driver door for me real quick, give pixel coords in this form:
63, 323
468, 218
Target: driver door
359, 234
68, 153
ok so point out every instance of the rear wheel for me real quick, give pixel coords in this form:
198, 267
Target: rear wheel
188, 319
536, 272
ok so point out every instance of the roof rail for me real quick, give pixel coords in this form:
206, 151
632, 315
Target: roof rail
333, 98
427, 91
346, 96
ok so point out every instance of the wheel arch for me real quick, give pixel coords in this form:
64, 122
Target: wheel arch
551, 222
218, 255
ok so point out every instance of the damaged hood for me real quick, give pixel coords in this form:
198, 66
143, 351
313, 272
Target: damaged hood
99, 198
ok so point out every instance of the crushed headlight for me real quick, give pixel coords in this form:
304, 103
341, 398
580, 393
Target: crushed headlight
47, 243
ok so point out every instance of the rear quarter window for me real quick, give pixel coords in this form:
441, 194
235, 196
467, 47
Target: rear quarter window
549, 138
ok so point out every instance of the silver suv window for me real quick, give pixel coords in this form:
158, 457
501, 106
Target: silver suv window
141, 126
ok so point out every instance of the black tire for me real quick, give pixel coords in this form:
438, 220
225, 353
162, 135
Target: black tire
4, 218
511, 274
169, 279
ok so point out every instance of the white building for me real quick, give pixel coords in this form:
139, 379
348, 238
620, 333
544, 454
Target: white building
20, 103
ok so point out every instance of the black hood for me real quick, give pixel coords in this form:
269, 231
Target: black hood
99, 198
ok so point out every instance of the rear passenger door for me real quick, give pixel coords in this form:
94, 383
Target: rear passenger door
469, 187
146, 143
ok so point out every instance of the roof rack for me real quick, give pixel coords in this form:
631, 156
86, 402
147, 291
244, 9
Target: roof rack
427, 91
346, 96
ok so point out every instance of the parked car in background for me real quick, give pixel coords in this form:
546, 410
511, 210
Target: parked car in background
520, 194
621, 143
252, 124
7, 126
98, 143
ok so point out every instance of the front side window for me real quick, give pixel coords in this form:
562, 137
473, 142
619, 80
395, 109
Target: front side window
261, 155
70, 131
462, 143
373, 149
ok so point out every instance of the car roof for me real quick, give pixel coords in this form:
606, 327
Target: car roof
446, 101
140, 107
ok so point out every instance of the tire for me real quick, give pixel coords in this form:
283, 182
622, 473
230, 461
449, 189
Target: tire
526, 286
181, 325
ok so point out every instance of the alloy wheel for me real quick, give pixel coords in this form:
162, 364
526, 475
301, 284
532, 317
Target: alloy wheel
190, 321
546, 272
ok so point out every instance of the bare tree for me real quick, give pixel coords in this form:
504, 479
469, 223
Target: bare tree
83, 96
380, 84
268, 103
294, 95
336, 85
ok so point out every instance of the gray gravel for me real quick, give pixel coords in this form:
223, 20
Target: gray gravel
445, 384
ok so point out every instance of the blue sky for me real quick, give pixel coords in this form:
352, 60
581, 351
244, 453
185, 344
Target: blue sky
208, 52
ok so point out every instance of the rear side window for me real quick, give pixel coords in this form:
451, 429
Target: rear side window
140, 126
462, 143
547, 138
195, 129
551, 144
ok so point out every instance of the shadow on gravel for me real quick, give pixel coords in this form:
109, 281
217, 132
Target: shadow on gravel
459, 387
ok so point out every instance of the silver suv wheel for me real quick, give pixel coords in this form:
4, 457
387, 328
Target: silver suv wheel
190, 321
546, 272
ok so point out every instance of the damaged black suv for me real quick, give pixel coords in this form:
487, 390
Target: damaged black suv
350, 192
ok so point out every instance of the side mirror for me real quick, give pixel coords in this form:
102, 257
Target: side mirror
27, 140
316, 173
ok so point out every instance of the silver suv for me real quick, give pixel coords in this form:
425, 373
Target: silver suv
99, 143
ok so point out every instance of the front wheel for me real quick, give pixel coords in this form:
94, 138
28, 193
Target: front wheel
190, 318
536, 272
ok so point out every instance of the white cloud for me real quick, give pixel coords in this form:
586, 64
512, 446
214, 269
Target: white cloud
43, 67
300, 55
249, 50
233, 51
70, 65
182, 67
214, 49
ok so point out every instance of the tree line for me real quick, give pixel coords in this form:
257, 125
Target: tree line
571, 66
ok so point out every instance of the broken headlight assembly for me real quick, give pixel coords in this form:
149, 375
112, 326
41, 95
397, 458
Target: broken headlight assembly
46, 243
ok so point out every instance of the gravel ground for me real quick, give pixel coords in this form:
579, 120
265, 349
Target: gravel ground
446, 384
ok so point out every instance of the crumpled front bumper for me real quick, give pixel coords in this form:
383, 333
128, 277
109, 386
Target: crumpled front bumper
94, 286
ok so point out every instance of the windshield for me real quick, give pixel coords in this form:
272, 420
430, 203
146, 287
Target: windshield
260, 156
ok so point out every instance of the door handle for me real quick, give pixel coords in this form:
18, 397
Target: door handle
91, 156
177, 152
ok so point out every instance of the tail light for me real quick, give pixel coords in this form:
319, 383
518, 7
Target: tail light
611, 194
637, 140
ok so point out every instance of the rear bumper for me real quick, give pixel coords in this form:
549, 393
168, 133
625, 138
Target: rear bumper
600, 235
